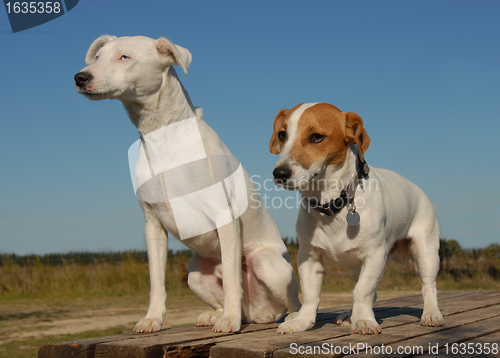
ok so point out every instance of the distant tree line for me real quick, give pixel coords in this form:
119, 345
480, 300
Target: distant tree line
451, 248
83, 258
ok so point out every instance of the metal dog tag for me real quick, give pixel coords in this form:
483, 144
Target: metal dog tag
352, 217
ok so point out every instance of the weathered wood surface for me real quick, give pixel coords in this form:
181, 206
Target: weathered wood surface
472, 322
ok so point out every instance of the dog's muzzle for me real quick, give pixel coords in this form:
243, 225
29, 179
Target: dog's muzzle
282, 174
82, 78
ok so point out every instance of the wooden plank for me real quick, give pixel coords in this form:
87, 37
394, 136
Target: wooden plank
464, 294
330, 313
265, 343
153, 346
408, 317
442, 295
251, 348
201, 340
403, 312
413, 301
487, 345
202, 348
84, 348
455, 306
450, 336
416, 336
401, 335
489, 338
470, 299
195, 348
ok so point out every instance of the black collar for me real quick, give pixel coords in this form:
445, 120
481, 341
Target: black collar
346, 195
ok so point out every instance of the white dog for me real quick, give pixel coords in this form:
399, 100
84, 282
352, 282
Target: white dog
241, 267
359, 216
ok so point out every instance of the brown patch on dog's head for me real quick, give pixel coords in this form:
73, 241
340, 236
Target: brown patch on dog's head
323, 135
324, 121
355, 133
321, 120
276, 144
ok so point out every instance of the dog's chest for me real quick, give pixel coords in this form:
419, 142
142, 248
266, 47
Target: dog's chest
186, 185
339, 242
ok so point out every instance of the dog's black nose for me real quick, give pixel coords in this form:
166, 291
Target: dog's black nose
282, 173
82, 78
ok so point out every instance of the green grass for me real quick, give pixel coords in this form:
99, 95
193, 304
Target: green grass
36, 279
120, 274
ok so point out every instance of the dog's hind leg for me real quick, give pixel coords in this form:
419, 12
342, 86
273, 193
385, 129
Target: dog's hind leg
156, 242
205, 280
424, 249
276, 272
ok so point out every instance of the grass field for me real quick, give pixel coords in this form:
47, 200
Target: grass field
55, 298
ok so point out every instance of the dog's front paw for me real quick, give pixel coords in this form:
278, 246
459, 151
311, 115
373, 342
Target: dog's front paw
148, 325
295, 325
432, 319
227, 324
208, 318
344, 319
365, 326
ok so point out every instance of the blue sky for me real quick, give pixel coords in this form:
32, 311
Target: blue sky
423, 75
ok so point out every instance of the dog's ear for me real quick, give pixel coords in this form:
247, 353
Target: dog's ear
275, 144
355, 133
96, 45
172, 54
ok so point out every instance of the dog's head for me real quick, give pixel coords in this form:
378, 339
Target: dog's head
128, 67
312, 137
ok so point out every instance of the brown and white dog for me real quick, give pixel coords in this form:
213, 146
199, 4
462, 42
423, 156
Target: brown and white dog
322, 155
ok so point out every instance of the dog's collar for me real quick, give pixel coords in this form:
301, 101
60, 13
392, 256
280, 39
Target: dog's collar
346, 195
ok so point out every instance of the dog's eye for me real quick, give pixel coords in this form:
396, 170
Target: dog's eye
96, 58
316, 138
282, 136
124, 58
